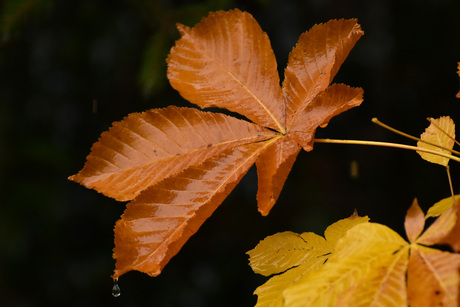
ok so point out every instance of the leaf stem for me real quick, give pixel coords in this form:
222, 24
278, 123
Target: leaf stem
376, 121
450, 183
386, 144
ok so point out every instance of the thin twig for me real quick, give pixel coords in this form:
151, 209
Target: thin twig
386, 144
376, 121
450, 183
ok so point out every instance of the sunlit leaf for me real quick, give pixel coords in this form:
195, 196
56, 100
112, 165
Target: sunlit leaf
441, 206
359, 252
337, 230
295, 254
371, 265
271, 292
440, 132
384, 285
284, 250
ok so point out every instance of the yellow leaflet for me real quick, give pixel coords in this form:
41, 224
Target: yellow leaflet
361, 250
383, 285
335, 231
270, 294
285, 250
440, 132
441, 206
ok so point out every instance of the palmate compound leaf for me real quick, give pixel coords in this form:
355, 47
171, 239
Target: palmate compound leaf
440, 132
177, 165
295, 255
371, 265
349, 271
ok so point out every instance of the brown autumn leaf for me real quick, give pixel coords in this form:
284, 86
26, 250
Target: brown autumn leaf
177, 165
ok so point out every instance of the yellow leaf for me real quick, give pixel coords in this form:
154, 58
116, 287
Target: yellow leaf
357, 253
441, 206
285, 250
298, 254
441, 132
384, 285
271, 292
337, 230
371, 265
440, 228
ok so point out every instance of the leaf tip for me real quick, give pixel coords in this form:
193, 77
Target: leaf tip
414, 222
183, 29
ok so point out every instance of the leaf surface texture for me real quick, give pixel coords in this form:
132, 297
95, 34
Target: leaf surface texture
368, 265
177, 165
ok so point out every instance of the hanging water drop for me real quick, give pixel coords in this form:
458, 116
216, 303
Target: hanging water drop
116, 292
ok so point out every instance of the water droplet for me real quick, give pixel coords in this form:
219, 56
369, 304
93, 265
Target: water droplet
116, 292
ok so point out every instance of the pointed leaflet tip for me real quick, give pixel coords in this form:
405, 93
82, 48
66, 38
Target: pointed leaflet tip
414, 222
156, 225
334, 100
183, 29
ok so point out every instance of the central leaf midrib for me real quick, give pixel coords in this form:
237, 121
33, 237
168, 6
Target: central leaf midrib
270, 114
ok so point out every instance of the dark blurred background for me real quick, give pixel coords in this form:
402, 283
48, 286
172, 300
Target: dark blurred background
59, 59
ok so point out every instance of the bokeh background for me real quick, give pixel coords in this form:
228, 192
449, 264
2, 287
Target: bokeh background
68, 69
